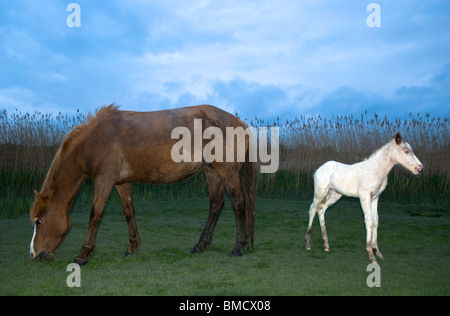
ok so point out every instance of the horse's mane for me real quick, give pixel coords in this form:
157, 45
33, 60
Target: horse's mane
71, 139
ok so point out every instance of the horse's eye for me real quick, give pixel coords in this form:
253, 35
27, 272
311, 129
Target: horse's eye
407, 151
37, 221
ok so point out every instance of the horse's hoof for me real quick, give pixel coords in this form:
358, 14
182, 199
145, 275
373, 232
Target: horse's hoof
308, 248
235, 253
80, 262
128, 254
196, 250
327, 249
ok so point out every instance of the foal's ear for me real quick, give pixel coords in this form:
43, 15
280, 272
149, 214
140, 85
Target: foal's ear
398, 138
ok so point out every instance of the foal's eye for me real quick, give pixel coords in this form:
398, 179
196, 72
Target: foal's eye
407, 151
37, 221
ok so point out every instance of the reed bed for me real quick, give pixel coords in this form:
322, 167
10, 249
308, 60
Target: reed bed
28, 143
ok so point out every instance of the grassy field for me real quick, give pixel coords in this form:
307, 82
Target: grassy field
414, 235
415, 241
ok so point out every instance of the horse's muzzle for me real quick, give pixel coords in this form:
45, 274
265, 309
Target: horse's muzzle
44, 255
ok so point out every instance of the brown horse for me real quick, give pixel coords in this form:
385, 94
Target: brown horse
116, 148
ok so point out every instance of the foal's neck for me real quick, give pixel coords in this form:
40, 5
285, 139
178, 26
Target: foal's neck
382, 160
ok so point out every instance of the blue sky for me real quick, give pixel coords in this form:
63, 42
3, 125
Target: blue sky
263, 58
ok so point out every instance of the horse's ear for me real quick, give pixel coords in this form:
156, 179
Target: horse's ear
38, 197
398, 138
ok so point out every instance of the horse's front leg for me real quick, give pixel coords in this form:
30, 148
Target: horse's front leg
366, 204
375, 228
101, 194
126, 199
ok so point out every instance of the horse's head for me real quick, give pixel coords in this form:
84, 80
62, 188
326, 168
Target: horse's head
405, 156
50, 226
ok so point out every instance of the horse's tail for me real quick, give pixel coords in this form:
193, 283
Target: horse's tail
247, 179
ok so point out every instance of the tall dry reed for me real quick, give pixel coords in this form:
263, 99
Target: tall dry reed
308, 142
28, 143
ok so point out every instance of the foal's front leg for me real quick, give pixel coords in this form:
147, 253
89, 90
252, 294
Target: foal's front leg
375, 228
366, 204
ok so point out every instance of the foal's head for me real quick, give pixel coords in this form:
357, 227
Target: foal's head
403, 154
50, 227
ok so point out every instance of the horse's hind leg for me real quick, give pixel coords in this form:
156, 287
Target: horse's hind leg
238, 200
126, 199
239, 204
216, 202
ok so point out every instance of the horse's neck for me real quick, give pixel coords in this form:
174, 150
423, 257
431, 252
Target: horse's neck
381, 161
63, 182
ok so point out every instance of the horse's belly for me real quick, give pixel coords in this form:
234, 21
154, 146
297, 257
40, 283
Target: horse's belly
166, 173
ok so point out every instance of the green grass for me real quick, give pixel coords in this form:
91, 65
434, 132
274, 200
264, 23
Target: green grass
16, 188
415, 241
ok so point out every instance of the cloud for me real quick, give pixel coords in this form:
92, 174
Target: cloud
433, 97
263, 58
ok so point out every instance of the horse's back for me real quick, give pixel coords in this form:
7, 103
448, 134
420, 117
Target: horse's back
138, 145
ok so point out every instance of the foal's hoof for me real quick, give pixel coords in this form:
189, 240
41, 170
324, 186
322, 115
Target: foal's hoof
128, 254
307, 244
379, 255
326, 249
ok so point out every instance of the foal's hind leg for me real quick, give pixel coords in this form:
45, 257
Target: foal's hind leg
216, 202
331, 198
312, 214
126, 199
320, 205
320, 194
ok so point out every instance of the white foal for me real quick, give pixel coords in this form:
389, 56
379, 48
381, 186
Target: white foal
366, 180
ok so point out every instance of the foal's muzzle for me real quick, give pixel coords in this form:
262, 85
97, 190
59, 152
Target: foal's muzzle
419, 169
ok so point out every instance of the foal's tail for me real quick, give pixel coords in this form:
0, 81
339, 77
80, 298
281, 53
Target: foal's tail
247, 179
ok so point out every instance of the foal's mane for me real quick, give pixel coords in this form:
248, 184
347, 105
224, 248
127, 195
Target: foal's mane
72, 138
382, 148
